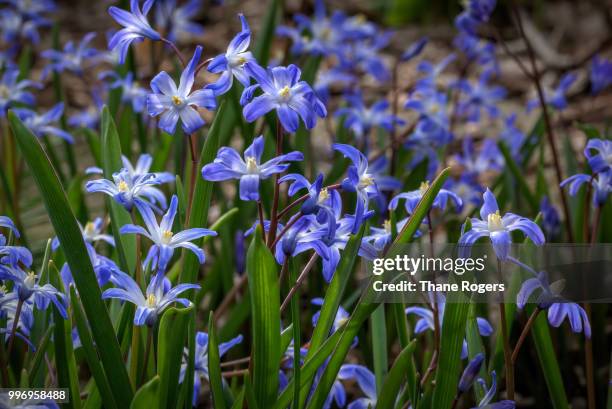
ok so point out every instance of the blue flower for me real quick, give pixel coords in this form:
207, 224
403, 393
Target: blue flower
42, 124
478, 50
601, 183
231, 64
513, 137
8, 310
470, 372
26, 286
556, 98
491, 224
127, 189
365, 56
424, 143
488, 159
177, 102
414, 49
476, 12
432, 73
490, 394
135, 27
340, 319
366, 382
300, 238
381, 237
359, 180
284, 92
325, 34
131, 92
201, 360
602, 160
326, 79
103, 267
414, 197
551, 223
16, 26
157, 298
88, 117
434, 120
426, 321
13, 255
229, 165
362, 119
92, 232
601, 74
467, 188
164, 240
14, 90
6, 222
72, 58
177, 21
548, 298
478, 97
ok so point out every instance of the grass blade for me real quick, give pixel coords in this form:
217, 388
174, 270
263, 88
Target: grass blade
214, 366
390, 388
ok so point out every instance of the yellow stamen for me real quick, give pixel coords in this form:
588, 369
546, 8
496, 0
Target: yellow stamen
494, 222
123, 187
366, 181
30, 280
89, 228
151, 300
251, 164
323, 195
166, 236
176, 100
284, 92
424, 186
387, 226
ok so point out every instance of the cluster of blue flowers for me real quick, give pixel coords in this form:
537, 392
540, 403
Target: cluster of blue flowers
322, 217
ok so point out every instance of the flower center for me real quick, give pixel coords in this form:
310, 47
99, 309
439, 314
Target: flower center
285, 92
251, 164
151, 300
30, 280
424, 186
323, 195
387, 226
166, 236
89, 229
176, 100
365, 181
123, 186
494, 222
4, 92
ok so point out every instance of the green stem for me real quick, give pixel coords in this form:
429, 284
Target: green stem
506, 343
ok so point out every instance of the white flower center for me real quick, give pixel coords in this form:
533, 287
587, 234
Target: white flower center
166, 236
494, 222
90, 229
285, 93
151, 301
251, 165
30, 280
4, 92
177, 100
424, 186
387, 226
123, 186
365, 181
323, 195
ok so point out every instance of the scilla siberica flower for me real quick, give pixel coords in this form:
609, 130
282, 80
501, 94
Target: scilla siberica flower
135, 27
601, 183
300, 238
8, 310
26, 286
127, 189
479, 97
72, 58
231, 64
359, 180
13, 255
547, 298
131, 92
556, 98
15, 26
414, 197
366, 382
498, 228
156, 299
14, 90
174, 102
229, 165
601, 74
489, 158
489, 394
7, 223
41, 124
164, 240
177, 20
284, 92
426, 321
470, 372
92, 232
599, 154
201, 360
361, 119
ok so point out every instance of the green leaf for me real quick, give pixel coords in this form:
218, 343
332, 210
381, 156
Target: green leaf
214, 366
262, 271
390, 388
203, 192
449, 361
173, 329
379, 344
518, 174
352, 326
41, 350
147, 396
91, 356
73, 246
295, 323
475, 345
67, 376
111, 162
265, 36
